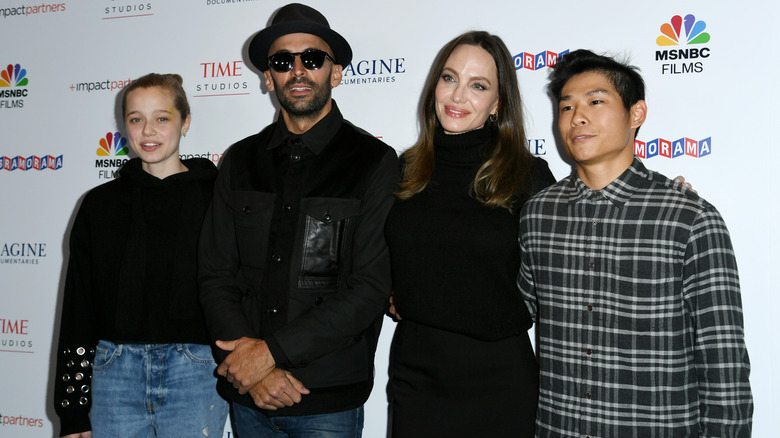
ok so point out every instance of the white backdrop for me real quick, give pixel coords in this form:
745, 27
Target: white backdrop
68, 59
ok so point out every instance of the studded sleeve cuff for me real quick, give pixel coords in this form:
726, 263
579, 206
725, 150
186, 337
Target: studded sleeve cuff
73, 388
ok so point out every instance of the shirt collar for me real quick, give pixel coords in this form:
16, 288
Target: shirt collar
316, 138
618, 191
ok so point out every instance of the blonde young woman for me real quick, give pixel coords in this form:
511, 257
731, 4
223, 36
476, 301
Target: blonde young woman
133, 357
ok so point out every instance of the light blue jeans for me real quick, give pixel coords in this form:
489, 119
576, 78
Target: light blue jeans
251, 423
155, 390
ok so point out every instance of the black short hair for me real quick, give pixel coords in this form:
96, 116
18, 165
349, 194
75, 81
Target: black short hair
625, 78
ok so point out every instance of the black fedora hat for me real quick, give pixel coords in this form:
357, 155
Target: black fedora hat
297, 18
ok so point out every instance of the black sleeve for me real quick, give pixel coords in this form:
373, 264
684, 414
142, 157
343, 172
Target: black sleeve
77, 340
542, 176
219, 262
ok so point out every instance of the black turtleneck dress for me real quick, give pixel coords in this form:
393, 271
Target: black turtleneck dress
461, 364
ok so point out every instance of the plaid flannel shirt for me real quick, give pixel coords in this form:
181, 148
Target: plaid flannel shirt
635, 293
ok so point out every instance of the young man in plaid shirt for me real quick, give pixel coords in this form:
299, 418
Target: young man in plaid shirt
631, 280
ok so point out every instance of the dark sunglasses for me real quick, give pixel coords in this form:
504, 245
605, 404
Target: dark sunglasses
311, 59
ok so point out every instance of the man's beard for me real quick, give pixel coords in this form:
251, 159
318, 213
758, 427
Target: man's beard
320, 96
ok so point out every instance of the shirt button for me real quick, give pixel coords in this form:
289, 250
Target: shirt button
295, 157
596, 194
594, 221
317, 300
590, 308
276, 258
246, 209
286, 207
296, 141
327, 218
591, 265
587, 395
272, 310
588, 351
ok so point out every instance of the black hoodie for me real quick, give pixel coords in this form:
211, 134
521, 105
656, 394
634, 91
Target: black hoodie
132, 271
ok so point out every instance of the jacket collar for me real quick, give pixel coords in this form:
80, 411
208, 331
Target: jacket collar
316, 138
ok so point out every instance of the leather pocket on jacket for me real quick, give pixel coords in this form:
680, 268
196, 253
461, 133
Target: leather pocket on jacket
327, 229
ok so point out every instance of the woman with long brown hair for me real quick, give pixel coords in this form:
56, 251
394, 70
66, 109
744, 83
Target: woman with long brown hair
462, 364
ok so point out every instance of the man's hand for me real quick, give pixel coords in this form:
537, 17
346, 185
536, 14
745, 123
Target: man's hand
277, 390
249, 362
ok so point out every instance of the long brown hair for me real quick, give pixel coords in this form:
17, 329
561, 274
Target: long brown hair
506, 172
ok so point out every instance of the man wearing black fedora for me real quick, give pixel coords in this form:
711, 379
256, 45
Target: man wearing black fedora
294, 269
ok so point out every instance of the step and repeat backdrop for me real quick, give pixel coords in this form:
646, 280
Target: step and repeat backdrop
712, 94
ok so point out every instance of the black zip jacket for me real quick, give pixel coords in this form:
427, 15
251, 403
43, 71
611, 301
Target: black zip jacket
292, 252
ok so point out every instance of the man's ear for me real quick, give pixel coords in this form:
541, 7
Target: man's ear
638, 113
269, 81
335, 75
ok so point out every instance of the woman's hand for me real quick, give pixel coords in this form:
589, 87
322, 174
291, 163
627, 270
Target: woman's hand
681, 180
392, 310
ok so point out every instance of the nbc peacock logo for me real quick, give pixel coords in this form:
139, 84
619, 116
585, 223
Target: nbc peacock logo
113, 144
681, 31
113, 152
684, 37
13, 75
13, 86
